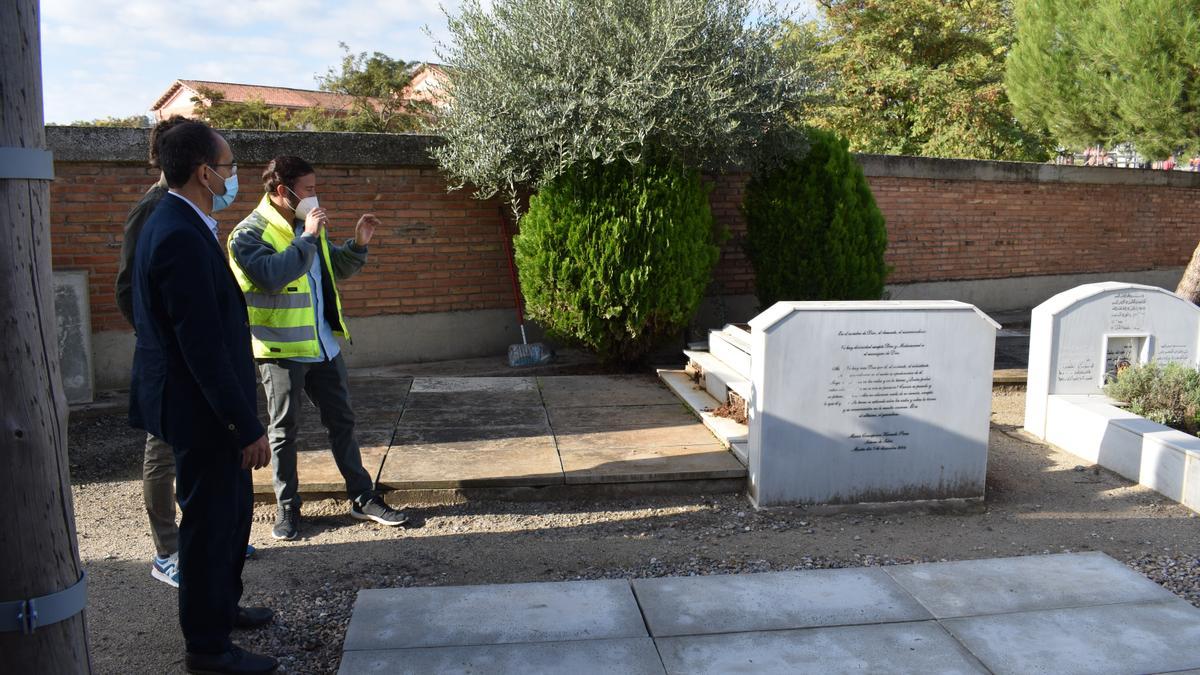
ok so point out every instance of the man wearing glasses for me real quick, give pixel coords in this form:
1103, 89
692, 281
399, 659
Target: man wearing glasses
193, 385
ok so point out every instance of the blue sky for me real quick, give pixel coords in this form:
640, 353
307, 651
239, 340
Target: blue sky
104, 58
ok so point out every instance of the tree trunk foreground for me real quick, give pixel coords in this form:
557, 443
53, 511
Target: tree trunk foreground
38, 551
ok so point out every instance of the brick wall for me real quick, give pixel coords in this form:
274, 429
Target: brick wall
436, 251
442, 251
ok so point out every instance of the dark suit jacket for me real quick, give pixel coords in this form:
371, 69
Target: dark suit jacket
194, 379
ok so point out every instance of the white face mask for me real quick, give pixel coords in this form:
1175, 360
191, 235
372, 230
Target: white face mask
304, 205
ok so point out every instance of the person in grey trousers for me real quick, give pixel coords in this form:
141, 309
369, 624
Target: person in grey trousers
158, 461
288, 271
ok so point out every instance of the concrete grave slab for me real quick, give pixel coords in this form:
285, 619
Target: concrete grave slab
1145, 637
399, 618
921, 647
586, 391
521, 398
773, 601
632, 465
472, 417
629, 656
484, 384
649, 426
523, 458
974, 587
317, 470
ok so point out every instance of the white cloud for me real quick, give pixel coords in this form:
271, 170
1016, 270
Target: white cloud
115, 57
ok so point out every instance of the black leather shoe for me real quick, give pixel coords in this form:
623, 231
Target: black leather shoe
253, 617
236, 660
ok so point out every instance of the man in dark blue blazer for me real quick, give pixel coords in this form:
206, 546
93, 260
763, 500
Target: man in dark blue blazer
194, 386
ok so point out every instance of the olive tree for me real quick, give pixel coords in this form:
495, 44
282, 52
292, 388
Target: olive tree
543, 86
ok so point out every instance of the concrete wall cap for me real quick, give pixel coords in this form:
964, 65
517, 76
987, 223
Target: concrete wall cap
105, 144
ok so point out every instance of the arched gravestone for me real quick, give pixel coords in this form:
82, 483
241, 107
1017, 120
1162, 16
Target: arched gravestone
1079, 338
856, 402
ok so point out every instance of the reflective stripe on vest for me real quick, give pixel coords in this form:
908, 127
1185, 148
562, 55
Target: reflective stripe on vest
269, 334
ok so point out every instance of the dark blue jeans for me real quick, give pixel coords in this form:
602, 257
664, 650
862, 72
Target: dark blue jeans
215, 496
325, 384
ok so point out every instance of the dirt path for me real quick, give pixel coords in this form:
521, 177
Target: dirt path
1039, 500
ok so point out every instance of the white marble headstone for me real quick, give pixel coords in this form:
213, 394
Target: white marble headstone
869, 402
1079, 338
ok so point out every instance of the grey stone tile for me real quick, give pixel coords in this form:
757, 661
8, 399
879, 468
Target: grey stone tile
1143, 637
315, 466
491, 384
631, 465
921, 648
590, 391
630, 656
993, 586
773, 601
472, 417
650, 426
498, 614
521, 458
467, 400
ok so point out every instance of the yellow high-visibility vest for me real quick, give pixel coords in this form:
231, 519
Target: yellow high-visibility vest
283, 323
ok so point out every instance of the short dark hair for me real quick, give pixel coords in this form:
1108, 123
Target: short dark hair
160, 129
285, 170
183, 148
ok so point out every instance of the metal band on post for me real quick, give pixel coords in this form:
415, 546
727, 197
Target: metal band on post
29, 615
26, 164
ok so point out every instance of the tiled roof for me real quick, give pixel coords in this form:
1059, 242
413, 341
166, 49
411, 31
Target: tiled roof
282, 97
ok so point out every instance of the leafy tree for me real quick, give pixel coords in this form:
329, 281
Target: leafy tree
212, 107
131, 122
813, 231
374, 84
1109, 71
542, 87
617, 256
916, 77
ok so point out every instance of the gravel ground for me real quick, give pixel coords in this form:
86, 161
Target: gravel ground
1039, 500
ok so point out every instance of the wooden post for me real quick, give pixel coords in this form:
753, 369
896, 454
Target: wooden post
38, 550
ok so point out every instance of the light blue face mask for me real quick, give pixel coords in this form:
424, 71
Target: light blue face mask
231, 190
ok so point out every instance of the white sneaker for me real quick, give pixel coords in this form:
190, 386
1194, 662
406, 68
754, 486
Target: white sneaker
166, 569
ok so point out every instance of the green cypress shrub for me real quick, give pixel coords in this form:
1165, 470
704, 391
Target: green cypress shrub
813, 229
617, 256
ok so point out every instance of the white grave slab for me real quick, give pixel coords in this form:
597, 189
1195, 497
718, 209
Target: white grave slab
869, 402
1079, 338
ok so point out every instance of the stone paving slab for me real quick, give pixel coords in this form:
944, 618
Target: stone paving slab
523, 458
920, 648
488, 615
468, 400
972, 587
590, 391
501, 416
629, 656
432, 433
632, 427
317, 470
744, 623
1148, 637
635, 465
734, 603
498, 385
